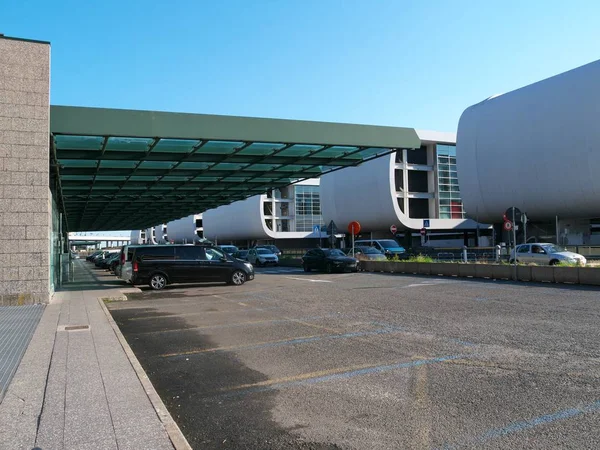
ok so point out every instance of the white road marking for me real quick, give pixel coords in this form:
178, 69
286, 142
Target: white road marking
310, 279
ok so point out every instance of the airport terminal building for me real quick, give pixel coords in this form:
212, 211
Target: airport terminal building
73, 169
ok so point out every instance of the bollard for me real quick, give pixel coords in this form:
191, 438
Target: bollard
498, 248
464, 253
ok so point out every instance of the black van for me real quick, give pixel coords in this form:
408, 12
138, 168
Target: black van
159, 265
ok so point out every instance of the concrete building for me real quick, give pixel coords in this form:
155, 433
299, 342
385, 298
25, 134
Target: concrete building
538, 149
186, 230
411, 189
288, 216
32, 236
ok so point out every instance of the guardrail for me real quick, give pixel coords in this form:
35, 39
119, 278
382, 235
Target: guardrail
549, 274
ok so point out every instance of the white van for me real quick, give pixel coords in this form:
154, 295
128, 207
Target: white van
125, 270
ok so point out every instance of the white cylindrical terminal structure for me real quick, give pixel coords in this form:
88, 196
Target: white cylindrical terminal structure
185, 230
367, 194
244, 219
536, 148
138, 237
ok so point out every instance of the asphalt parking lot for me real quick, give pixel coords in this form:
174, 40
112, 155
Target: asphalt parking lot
372, 361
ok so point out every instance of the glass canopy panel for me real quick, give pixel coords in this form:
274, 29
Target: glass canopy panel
261, 149
335, 152
128, 144
78, 163
371, 152
220, 147
165, 165
261, 167
111, 164
194, 165
299, 150
78, 142
175, 145
228, 166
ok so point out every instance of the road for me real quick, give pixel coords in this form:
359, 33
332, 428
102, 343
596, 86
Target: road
372, 361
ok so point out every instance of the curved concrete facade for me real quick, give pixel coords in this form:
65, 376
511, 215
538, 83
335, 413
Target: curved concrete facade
244, 219
367, 194
536, 148
185, 230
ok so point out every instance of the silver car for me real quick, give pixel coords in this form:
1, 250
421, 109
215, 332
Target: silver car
544, 254
262, 257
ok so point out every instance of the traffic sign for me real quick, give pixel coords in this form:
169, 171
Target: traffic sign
331, 228
393, 229
423, 231
426, 223
508, 225
513, 214
316, 229
354, 228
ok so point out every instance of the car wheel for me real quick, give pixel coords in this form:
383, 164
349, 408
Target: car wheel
158, 281
238, 278
306, 268
328, 268
511, 261
554, 262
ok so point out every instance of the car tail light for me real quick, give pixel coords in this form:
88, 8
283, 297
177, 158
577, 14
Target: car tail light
122, 258
135, 266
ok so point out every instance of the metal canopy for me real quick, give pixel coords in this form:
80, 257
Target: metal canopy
123, 169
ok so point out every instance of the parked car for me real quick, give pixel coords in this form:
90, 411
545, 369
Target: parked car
231, 249
99, 257
273, 249
546, 254
262, 257
93, 255
74, 255
159, 265
389, 247
366, 253
102, 260
241, 254
328, 260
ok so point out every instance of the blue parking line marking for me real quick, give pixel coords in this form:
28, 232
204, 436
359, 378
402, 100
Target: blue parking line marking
283, 343
398, 328
528, 424
340, 376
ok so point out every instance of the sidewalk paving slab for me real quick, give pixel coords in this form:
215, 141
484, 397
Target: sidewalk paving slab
78, 389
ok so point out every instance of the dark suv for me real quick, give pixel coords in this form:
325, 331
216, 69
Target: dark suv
159, 265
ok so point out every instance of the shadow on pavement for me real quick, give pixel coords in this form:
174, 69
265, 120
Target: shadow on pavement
190, 386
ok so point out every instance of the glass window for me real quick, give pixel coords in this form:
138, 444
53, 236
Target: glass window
155, 252
308, 208
450, 202
523, 249
189, 253
213, 254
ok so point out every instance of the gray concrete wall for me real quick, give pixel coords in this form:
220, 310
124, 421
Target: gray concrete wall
24, 171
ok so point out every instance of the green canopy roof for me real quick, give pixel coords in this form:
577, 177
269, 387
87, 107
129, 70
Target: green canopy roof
123, 169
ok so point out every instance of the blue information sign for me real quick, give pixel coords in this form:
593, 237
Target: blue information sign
425, 223
316, 229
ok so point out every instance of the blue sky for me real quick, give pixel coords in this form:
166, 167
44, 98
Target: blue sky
403, 63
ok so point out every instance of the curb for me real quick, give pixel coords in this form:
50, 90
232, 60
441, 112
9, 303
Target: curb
174, 432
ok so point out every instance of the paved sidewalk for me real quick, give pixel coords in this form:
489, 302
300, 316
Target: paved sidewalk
76, 387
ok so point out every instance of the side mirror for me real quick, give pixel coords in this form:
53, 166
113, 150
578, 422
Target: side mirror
224, 259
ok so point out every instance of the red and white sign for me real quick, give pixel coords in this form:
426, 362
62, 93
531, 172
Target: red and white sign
507, 225
354, 228
393, 229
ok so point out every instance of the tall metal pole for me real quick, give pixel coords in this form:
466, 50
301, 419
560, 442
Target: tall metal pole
557, 243
353, 240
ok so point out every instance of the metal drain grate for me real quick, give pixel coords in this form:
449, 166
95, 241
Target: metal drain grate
17, 325
76, 327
